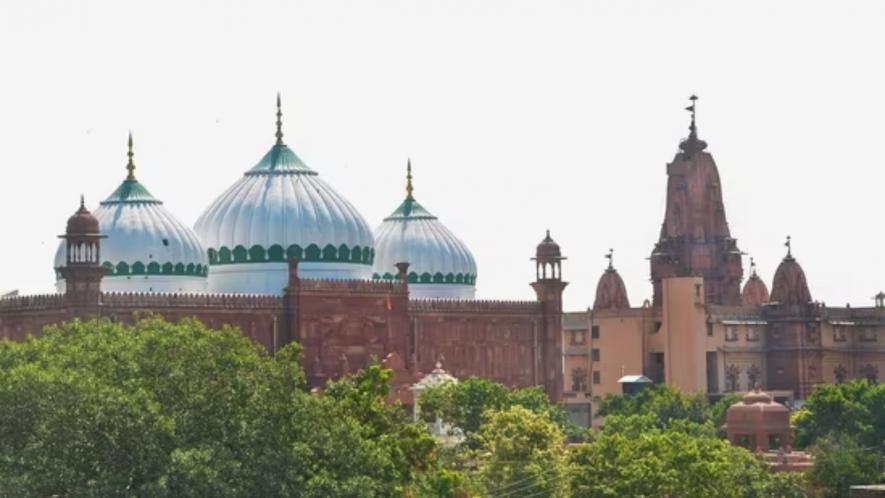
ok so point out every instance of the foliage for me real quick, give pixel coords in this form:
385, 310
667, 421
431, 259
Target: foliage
155, 409
665, 403
468, 404
841, 462
525, 455
854, 409
686, 460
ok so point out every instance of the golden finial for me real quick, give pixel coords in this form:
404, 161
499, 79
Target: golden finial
130, 167
279, 120
409, 187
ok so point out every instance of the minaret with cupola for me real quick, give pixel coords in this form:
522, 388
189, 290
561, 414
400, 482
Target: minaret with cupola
548, 286
82, 269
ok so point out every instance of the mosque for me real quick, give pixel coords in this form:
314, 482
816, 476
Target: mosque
284, 257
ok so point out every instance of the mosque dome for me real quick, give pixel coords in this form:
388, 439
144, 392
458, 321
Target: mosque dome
146, 248
82, 222
440, 265
610, 291
755, 292
279, 210
548, 249
789, 286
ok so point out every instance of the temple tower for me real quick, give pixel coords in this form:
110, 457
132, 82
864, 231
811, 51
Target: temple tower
82, 269
548, 286
695, 240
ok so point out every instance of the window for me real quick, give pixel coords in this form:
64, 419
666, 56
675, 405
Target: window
752, 334
596, 376
839, 334
578, 337
594, 354
868, 335
579, 380
710, 328
731, 334
594, 332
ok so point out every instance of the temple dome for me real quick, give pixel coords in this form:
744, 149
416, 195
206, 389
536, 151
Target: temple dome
147, 249
755, 291
440, 264
789, 285
281, 209
611, 293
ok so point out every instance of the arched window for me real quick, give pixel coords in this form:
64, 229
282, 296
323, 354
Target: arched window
257, 253
224, 255
276, 253
312, 253
240, 254
330, 253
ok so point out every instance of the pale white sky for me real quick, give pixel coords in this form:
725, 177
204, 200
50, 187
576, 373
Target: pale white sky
518, 116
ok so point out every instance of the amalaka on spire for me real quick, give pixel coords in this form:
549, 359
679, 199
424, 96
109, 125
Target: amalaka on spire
279, 120
409, 187
692, 144
130, 166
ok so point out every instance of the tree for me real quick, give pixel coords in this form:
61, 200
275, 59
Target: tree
525, 455
155, 409
666, 403
650, 462
841, 462
467, 405
853, 409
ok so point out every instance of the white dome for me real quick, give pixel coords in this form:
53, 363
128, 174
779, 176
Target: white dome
147, 249
282, 209
440, 265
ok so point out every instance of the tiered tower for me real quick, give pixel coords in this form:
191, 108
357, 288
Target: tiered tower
695, 240
548, 286
82, 269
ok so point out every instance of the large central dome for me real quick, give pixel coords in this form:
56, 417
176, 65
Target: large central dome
282, 209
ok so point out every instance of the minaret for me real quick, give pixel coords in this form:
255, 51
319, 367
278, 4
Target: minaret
82, 270
695, 239
548, 286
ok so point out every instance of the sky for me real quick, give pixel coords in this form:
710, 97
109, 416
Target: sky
519, 116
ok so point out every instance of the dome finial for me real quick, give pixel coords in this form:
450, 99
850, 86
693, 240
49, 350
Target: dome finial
789, 244
692, 144
130, 166
753, 267
610, 257
279, 120
82, 201
409, 187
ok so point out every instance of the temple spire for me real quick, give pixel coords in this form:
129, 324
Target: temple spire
409, 187
130, 166
610, 257
279, 121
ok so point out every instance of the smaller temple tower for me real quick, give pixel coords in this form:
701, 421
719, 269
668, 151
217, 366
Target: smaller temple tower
548, 286
82, 269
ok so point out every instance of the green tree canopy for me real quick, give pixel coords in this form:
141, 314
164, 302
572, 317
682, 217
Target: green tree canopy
841, 462
525, 455
467, 405
855, 409
155, 409
666, 404
635, 457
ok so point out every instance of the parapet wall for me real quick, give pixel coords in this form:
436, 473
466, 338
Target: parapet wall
198, 301
473, 306
36, 302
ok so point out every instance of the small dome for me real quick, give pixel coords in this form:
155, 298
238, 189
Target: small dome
548, 249
440, 264
82, 222
755, 291
147, 249
279, 210
789, 285
610, 291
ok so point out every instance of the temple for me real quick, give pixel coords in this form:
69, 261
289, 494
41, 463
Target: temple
284, 257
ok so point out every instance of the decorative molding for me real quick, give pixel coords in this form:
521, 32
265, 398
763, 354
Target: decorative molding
276, 254
436, 278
